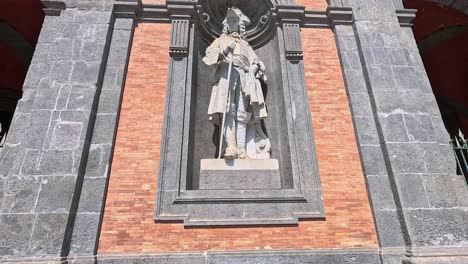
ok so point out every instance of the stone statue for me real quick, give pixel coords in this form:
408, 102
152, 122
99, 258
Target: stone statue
237, 102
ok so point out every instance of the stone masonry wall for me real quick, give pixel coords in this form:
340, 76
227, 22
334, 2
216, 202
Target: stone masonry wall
128, 225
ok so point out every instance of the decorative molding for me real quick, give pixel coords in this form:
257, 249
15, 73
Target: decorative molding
315, 19
406, 16
53, 7
154, 14
340, 15
180, 37
292, 41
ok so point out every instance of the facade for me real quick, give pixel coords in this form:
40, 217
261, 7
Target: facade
101, 162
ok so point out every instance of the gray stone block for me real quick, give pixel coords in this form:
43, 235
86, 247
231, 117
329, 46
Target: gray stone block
439, 158
110, 78
104, 129
380, 193
398, 56
360, 105
63, 96
20, 194
62, 48
10, 160
304, 257
446, 191
92, 195
409, 78
374, 10
36, 73
373, 160
49, 162
56, 194
37, 130
181, 258
15, 231
350, 60
355, 82
66, 136
46, 95
393, 128
98, 160
91, 17
441, 227
109, 102
409, 102
424, 128
406, 158
366, 130
20, 124
70, 31
411, 191
86, 72
380, 78
81, 97
61, 71
389, 229
48, 234
92, 51
381, 55
85, 233
347, 43
437, 260
123, 23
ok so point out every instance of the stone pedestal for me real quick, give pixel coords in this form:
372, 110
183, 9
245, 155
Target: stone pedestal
247, 174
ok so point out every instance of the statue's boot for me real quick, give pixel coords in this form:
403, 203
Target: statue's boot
231, 145
241, 138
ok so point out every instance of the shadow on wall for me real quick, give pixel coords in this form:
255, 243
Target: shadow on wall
20, 25
441, 32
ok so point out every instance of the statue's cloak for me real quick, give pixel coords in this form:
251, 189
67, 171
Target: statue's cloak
249, 82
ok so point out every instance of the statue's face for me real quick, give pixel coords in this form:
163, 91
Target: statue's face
233, 24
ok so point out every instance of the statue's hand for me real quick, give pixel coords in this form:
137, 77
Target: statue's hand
229, 47
254, 69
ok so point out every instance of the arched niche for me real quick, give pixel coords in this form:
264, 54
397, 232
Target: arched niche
204, 136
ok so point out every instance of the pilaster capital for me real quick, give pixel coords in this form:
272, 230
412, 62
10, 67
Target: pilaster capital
53, 7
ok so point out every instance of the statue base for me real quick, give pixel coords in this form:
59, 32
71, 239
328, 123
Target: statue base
239, 174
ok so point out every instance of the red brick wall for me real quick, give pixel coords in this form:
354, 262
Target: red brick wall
313, 4
128, 220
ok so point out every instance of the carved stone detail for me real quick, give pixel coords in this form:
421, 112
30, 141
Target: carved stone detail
179, 37
292, 41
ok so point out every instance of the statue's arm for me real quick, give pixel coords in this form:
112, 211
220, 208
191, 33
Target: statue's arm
214, 53
257, 66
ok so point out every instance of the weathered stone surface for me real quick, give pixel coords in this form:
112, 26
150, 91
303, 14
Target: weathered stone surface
20, 194
48, 234
84, 233
389, 229
92, 193
15, 231
66, 136
393, 128
443, 227
381, 192
366, 130
446, 191
56, 194
372, 158
411, 190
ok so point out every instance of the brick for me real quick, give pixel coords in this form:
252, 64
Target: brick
128, 225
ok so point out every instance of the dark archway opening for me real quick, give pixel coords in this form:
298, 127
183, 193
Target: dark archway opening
20, 26
441, 32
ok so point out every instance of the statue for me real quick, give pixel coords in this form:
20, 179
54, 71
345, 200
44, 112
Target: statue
237, 101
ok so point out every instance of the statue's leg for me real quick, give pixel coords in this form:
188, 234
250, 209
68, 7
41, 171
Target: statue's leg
243, 118
230, 134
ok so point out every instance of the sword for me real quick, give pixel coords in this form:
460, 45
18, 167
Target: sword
221, 138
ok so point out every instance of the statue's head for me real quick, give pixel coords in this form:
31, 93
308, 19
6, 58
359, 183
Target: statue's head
235, 21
